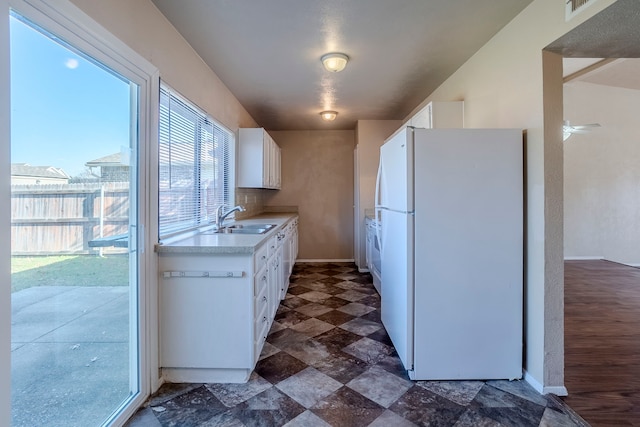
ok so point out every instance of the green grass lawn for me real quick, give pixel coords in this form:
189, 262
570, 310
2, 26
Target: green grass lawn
69, 270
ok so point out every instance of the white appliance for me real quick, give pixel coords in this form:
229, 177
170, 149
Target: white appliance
450, 203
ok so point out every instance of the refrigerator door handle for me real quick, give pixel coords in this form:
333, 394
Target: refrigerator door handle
377, 203
378, 176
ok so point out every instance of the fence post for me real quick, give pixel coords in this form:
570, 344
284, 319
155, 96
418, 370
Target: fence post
101, 215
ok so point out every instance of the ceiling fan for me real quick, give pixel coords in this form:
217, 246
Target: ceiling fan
568, 129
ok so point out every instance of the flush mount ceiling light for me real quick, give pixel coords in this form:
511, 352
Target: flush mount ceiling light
334, 62
329, 115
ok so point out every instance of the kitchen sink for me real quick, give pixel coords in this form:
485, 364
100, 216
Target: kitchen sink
251, 226
243, 229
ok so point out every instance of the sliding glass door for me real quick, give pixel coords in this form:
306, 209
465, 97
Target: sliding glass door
75, 233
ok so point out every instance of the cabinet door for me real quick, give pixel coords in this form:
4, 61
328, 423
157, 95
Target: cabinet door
293, 250
258, 159
368, 247
280, 275
286, 254
276, 166
274, 285
422, 119
295, 242
196, 313
266, 161
440, 115
251, 158
262, 309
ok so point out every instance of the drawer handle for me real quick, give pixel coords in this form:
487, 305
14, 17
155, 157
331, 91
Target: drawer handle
264, 298
264, 319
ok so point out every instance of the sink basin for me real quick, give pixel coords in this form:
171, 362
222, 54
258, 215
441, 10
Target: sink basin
252, 230
243, 229
265, 227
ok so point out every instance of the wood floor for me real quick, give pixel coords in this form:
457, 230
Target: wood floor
602, 342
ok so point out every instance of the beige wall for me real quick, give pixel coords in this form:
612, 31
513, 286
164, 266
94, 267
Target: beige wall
317, 176
143, 28
370, 135
502, 86
602, 177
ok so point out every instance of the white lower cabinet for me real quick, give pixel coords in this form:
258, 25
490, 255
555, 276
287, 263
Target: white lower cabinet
262, 309
279, 274
216, 311
207, 324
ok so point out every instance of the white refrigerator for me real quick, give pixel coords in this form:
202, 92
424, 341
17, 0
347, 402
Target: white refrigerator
450, 202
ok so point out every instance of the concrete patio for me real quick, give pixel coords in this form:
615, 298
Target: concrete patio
69, 354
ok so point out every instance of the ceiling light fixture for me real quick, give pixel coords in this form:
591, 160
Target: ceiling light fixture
329, 115
334, 62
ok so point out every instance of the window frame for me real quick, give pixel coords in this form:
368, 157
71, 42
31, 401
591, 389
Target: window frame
199, 213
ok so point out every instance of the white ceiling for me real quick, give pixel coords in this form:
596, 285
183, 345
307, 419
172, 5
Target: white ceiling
622, 72
268, 52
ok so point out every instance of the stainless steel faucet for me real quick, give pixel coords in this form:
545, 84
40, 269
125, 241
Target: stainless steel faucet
220, 217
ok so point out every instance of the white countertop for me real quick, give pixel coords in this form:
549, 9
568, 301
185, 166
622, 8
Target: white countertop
201, 243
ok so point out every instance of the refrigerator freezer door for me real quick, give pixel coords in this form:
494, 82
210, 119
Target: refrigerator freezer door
468, 254
397, 282
396, 172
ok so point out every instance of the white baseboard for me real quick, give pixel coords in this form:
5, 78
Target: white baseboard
363, 270
557, 390
325, 260
533, 382
592, 258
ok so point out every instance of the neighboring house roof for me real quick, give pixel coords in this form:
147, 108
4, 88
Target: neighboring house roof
25, 169
110, 160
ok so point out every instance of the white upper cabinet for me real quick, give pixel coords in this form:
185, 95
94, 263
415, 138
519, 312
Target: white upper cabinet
440, 115
258, 159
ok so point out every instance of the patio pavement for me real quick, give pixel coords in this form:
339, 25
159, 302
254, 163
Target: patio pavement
69, 354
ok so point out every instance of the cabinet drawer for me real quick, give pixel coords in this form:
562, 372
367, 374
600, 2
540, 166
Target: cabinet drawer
259, 342
273, 245
261, 256
261, 300
261, 281
261, 324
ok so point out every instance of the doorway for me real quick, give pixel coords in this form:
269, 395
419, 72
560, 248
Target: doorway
601, 201
599, 297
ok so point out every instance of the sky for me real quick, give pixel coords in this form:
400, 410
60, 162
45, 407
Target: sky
65, 109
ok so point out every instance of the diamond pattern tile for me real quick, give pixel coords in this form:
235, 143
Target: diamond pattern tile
382, 387
361, 326
309, 386
328, 361
314, 309
347, 407
312, 327
356, 309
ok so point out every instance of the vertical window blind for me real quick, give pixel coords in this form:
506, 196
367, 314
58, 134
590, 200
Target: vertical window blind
195, 160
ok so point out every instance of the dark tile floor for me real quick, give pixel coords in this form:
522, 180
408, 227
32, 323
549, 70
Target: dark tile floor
329, 362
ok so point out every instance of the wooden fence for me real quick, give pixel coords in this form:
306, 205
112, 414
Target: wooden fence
64, 218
